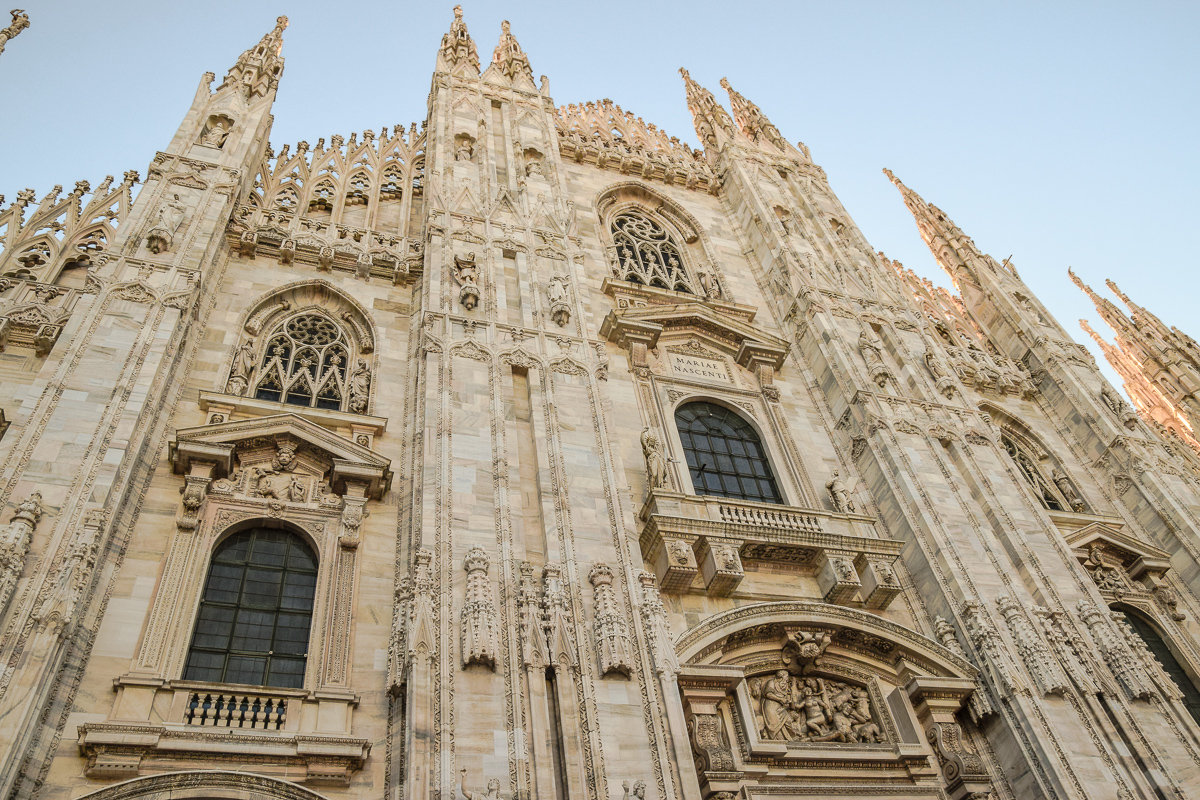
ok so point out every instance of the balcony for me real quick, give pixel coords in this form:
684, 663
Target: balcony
162, 725
688, 536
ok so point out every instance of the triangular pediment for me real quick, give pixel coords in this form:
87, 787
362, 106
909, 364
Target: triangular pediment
1117, 545
344, 459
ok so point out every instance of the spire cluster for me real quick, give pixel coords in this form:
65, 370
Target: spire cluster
257, 70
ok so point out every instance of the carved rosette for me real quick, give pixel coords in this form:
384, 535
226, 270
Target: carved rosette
612, 635
1045, 669
479, 630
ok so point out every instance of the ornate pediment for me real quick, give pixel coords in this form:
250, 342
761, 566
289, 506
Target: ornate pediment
1114, 546
264, 453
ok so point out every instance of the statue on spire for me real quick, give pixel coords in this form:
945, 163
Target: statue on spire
458, 47
20, 21
258, 69
509, 58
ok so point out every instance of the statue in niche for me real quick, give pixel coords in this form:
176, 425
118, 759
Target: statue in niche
360, 386
242, 368
464, 147
162, 234
556, 292
839, 492
656, 462
215, 133
20, 21
492, 793
1068, 491
709, 284
813, 709
467, 274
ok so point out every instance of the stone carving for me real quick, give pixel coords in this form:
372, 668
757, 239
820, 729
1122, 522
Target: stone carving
871, 348
398, 641
1121, 661
354, 511
813, 709
1169, 599
215, 132
1068, 491
980, 704
612, 636
479, 628
637, 792
422, 632
988, 643
161, 237
20, 21
60, 595
558, 292
710, 286
14, 544
955, 757
1108, 578
241, 369
710, 744
532, 620
464, 147
493, 786
467, 274
654, 617
937, 368
194, 490
1120, 409
559, 622
839, 493
360, 387
1063, 642
656, 462
1047, 674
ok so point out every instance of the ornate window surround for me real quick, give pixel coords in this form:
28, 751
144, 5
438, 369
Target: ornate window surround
695, 250
1027, 443
914, 687
280, 471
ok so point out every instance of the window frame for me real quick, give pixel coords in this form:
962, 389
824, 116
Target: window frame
774, 474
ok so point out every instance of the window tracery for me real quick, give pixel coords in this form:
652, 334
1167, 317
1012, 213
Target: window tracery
1056, 492
305, 362
724, 454
648, 254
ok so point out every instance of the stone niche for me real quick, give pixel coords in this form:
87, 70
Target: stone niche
812, 699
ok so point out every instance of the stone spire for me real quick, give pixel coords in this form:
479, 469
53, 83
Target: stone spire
752, 122
713, 123
509, 59
1108, 310
954, 250
458, 54
258, 69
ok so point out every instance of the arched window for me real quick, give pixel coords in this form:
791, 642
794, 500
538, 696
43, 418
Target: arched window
724, 454
255, 612
1158, 648
1026, 462
305, 363
647, 254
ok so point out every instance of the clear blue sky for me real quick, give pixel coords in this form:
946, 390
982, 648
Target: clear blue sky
1062, 133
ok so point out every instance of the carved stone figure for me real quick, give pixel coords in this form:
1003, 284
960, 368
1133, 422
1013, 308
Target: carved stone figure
296, 491
467, 275
216, 133
60, 596
492, 793
263, 484
464, 147
656, 462
813, 709
872, 352
161, 237
360, 387
20, 21
241, 369
1068, 491
638, 792
709, 285
557, 293
839, 492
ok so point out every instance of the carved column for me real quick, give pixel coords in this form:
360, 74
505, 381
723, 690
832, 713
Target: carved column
479, 641
14, 545
612, 635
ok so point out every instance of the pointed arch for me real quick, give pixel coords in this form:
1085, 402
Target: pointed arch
203, 785
1043, 472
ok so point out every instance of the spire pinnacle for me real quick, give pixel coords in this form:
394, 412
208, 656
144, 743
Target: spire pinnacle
752, 122
508, 58
257, 70
458, 53
712, 121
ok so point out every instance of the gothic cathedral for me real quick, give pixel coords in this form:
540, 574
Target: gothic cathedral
529, 452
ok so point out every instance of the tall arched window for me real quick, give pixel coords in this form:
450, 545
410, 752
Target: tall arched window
647, 254
305, 363
1050, 496
724, 454
255, 612
1158, 648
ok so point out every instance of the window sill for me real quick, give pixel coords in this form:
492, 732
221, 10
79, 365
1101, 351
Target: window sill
344, 422
685, 536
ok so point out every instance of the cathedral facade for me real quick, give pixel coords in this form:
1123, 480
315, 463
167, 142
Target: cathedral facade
529, 452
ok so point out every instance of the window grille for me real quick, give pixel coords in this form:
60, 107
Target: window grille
724, 454
256, 611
